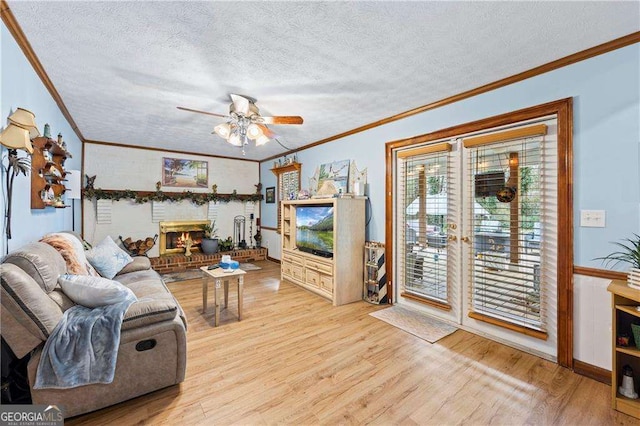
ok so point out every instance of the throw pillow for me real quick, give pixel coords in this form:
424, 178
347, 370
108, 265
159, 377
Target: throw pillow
108, 258
71, 250
94, 291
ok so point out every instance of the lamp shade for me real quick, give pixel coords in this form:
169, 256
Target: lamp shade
16, 137
26, 119
235, 139
254, 131
73, 184
223, 130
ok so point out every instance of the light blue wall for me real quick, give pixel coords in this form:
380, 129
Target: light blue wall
21, 87
606, 99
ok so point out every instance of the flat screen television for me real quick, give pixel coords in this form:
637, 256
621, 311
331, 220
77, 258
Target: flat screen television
314, 229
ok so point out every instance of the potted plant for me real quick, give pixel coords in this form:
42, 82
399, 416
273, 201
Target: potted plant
629, 253
226, 245
209, 243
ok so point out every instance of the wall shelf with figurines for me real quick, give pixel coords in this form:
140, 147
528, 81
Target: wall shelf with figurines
48, 176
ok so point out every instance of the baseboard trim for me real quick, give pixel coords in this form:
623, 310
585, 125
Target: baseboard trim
273, 259
591, 371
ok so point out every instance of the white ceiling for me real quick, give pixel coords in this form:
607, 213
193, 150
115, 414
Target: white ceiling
122, 67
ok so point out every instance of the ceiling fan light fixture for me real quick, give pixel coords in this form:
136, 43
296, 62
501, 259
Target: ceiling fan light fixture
244, 122
262, 140
223, 130
235, 139
254, 131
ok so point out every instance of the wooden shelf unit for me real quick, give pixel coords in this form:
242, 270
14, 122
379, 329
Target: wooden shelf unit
338, 279
288, 177
43, 171
624, 301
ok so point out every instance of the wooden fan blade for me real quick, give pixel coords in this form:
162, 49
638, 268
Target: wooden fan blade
203, 112
282, 119
267, 131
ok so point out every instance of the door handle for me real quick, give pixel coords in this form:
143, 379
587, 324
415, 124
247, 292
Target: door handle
465, 239
452, 238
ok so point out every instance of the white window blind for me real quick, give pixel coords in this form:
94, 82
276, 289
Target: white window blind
513, 186
425, 187
288, 185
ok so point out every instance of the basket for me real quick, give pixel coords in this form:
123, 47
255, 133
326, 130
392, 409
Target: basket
635, 328
139, 247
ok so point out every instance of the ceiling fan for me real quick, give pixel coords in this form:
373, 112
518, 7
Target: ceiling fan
244, 122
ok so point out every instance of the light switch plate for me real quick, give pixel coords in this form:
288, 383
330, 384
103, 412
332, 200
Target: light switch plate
592, 218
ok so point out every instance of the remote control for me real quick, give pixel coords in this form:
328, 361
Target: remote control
210, 267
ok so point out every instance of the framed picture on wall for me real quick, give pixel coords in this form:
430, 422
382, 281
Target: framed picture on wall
184, 173
270, 195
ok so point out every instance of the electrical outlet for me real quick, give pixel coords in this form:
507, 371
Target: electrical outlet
592, 218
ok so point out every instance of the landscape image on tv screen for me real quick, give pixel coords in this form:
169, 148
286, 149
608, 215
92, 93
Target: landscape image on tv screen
314, 229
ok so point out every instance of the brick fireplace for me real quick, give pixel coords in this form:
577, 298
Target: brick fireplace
171, 245
180, 262
174, 234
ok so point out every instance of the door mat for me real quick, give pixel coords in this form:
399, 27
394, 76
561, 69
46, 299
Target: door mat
249, 267
416, 323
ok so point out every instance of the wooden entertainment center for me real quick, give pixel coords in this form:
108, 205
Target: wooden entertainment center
337, 277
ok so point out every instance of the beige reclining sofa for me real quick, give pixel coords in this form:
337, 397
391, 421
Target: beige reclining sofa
152, 351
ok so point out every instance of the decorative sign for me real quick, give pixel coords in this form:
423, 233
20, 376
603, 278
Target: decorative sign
333, 178
270, 195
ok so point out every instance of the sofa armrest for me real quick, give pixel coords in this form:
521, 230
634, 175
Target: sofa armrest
140, 263
149, 311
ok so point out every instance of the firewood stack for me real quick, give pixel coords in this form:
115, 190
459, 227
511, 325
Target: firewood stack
139, 247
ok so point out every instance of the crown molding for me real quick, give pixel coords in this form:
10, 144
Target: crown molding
550, 66
14, 28
173, 151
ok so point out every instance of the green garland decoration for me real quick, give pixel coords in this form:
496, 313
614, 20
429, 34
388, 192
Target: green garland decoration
141, 197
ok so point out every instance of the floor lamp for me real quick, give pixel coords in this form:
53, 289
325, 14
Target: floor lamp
73, 192
16, 135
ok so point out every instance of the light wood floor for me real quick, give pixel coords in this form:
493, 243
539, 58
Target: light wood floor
295, 359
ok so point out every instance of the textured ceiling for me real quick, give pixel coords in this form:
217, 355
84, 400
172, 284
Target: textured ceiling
122, 67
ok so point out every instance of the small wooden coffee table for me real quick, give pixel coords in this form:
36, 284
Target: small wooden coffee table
219, 275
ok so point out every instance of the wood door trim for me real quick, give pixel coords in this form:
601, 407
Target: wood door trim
509, 325
426, 301
563, 109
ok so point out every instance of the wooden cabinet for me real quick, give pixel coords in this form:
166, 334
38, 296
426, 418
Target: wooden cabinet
48, 176
337, 278
624, 302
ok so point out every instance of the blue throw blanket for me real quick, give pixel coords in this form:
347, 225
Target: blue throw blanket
83, 347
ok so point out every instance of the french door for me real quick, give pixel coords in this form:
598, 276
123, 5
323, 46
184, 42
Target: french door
475, 225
